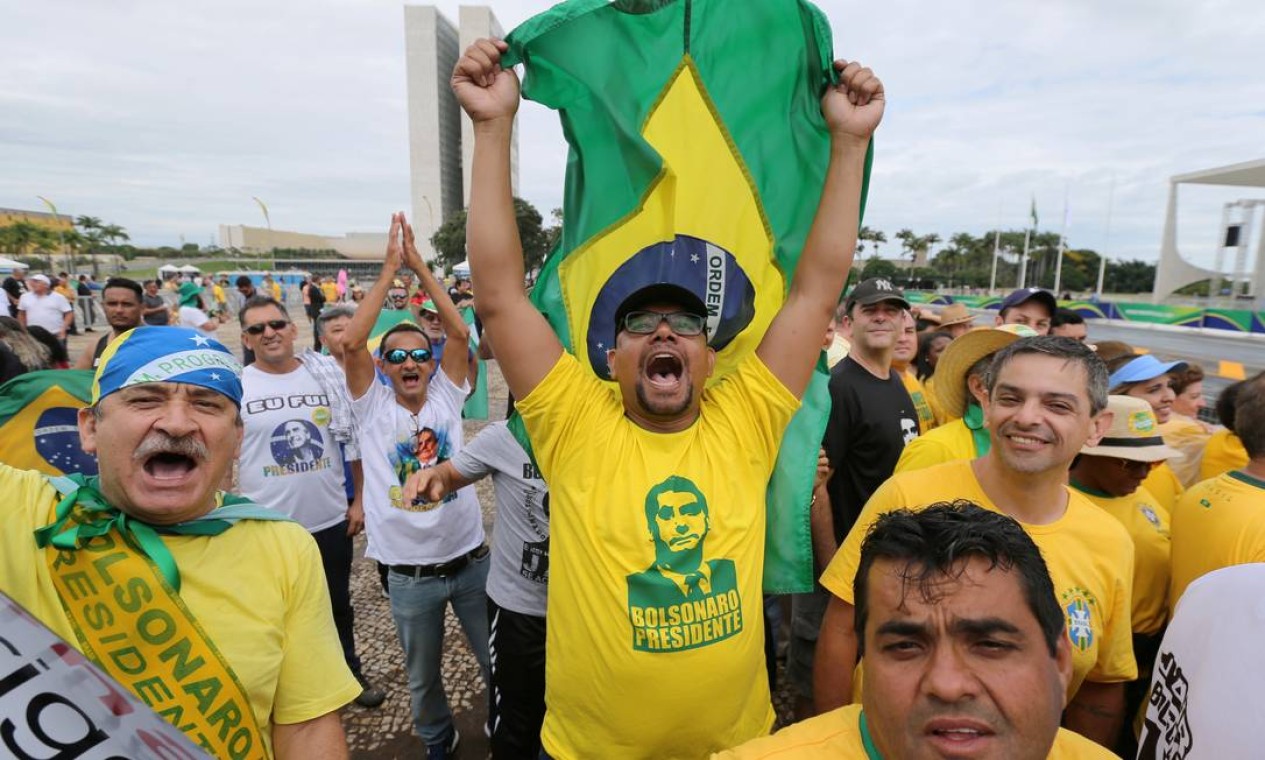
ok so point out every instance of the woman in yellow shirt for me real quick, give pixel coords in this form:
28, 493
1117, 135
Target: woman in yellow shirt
1150, 379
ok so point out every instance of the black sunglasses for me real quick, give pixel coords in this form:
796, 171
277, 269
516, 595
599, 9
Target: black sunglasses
399, 355
680, 322
258, 329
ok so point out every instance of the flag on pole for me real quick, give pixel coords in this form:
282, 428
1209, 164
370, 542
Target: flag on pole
697, 155
39, 428
1034, 212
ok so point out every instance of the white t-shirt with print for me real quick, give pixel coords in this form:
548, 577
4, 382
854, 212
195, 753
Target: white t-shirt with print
45, 311
290, 460
394, 443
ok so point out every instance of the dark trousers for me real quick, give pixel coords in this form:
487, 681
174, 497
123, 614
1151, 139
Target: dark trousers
516, 643
336, 551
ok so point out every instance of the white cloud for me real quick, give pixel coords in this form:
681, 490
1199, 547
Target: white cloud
167, 117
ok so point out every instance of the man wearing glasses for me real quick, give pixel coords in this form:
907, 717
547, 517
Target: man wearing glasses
295, 413
625, 675
434, 550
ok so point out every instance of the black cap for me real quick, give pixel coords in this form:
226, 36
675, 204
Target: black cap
660, 292
1023, 295
875, 290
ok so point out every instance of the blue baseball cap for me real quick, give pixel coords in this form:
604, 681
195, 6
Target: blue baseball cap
1144, 367
1023, 295
167, 355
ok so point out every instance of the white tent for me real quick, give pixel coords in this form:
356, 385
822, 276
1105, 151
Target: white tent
8, 265
189, 269
461, 270
168, 268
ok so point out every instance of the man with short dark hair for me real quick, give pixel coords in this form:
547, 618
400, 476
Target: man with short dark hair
1033, 307
872, 419
298, 429
434, 550
14, 286
154, 308
121, 300
964, 648
629, 680
1045, 400
1069, 324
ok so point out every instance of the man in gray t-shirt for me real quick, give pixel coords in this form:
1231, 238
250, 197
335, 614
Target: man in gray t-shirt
517, 579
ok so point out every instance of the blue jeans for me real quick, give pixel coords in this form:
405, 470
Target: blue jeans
417, 605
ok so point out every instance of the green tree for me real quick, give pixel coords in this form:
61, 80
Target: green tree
876, 267
449, 240
867, 235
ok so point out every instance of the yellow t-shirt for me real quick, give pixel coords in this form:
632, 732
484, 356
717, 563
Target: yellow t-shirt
1089, 554
648, 657
949, 442
929, 385
1164, 486
269, 617
217, 293
918, 395
1152, 553
1218, 523
1223, 453
836, 735
329, 290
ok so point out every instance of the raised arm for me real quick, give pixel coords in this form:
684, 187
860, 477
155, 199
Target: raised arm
455, 363
357, 361
853, 110
489, 94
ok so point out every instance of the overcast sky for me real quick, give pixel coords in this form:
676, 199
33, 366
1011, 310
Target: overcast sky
166, 117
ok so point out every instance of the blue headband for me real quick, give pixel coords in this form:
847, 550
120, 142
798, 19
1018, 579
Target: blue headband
167, 355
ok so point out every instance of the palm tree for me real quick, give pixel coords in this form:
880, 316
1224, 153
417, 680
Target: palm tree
873, 236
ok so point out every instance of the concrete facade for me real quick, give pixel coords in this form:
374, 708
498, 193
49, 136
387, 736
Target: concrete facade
353, 245
441, 140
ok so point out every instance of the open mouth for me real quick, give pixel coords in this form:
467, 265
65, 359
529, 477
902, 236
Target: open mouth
410, 379
167, 465
664, 370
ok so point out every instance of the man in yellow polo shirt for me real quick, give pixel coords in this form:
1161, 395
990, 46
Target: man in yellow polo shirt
210, 609
1046, 397
1221, 522
960, 395
631, 669
964, 644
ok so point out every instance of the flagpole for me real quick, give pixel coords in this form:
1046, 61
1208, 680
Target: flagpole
992, 280
1058, 266
1023, 263
1102, 259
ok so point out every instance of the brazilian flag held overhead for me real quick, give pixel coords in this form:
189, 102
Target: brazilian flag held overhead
39, 427
697, 155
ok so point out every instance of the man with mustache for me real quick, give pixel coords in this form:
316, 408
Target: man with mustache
208, 607
625, 672
964, 645
1046, 398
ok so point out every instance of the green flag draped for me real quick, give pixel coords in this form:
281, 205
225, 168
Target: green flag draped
39, 421
697, 155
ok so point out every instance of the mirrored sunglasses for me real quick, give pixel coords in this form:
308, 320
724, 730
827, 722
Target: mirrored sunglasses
399, 355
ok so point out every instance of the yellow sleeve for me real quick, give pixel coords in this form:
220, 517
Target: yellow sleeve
1115, 654
754, 405
842, 570
921, 453
314, 678
562, 413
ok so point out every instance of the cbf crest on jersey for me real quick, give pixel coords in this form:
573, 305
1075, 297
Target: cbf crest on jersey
697, 157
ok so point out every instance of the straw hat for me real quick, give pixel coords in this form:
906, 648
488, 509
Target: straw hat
962, 353
955, 314
1134, 433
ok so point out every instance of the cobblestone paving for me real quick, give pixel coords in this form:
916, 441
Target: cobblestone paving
386, 732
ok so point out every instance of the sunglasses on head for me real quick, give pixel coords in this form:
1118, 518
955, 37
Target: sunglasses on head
399, 355
680, 322
258, 329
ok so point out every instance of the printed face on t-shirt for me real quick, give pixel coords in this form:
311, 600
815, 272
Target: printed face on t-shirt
681, 522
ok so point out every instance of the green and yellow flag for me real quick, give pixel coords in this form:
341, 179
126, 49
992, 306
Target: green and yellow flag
39, 428
697, 156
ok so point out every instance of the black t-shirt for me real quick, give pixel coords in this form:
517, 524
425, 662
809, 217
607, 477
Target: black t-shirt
14, 288
315, 297
83, 288
871, 420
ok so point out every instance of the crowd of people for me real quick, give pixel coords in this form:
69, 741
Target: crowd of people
1005, 521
